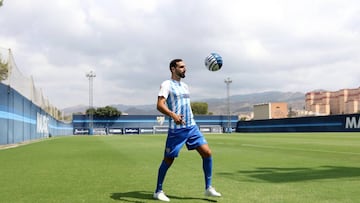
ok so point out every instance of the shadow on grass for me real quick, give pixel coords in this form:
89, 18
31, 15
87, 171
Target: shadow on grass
145, 196
279, 175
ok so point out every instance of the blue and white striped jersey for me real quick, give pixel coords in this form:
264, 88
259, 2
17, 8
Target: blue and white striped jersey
178, 101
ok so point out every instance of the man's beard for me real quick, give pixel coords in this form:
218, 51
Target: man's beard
181, 75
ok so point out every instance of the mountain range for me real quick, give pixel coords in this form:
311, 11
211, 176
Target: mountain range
239, 104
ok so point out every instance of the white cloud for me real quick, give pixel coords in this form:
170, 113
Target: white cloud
266, 45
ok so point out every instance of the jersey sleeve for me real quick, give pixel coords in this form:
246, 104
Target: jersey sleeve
164, 89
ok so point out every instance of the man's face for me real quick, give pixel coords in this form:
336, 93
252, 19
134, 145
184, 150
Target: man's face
180, 69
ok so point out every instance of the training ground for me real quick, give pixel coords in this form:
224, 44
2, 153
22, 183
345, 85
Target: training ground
248, 167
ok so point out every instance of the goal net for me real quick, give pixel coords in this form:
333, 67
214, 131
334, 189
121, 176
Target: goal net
160, 129
211, 129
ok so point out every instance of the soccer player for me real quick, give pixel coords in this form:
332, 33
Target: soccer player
174, 101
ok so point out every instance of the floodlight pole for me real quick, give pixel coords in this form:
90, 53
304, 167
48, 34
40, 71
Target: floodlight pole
228, 81
91, 76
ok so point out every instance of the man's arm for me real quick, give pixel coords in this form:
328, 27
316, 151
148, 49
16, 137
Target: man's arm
163, 108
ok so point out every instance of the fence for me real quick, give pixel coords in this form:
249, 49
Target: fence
333, 123
24, 84
21, 120
24, 113
146, 124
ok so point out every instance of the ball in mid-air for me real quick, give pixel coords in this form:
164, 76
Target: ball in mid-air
213, 62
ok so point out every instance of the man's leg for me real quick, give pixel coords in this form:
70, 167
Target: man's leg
205, 153
164, 166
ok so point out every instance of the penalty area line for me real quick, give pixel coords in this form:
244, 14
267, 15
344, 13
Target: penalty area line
300, 149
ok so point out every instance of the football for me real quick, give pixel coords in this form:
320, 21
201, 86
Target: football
213, 62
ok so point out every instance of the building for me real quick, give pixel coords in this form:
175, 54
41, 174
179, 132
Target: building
270, 110
344, 101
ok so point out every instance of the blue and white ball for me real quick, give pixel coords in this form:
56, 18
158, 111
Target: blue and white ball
213, 62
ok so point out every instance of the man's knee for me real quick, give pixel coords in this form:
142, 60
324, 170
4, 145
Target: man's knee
204, 151
169, 160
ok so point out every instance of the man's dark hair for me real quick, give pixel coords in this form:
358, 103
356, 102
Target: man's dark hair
173, 63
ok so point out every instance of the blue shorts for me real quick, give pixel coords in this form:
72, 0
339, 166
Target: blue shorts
176, 139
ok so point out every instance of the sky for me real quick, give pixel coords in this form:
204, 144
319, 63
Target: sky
266, 45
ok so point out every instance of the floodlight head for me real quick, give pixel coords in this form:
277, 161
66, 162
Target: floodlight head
228, 80
90, 74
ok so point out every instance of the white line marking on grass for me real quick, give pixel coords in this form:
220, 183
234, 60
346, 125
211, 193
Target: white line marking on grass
300, 149
8, 146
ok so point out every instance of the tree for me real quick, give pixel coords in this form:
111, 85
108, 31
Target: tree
3, 69
199, 108
90, 111
243, 118
291, 113
106, 111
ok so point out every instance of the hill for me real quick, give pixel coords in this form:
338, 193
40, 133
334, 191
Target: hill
218, 106
244, 103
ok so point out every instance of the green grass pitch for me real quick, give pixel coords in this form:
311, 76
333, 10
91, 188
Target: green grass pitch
248, 167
